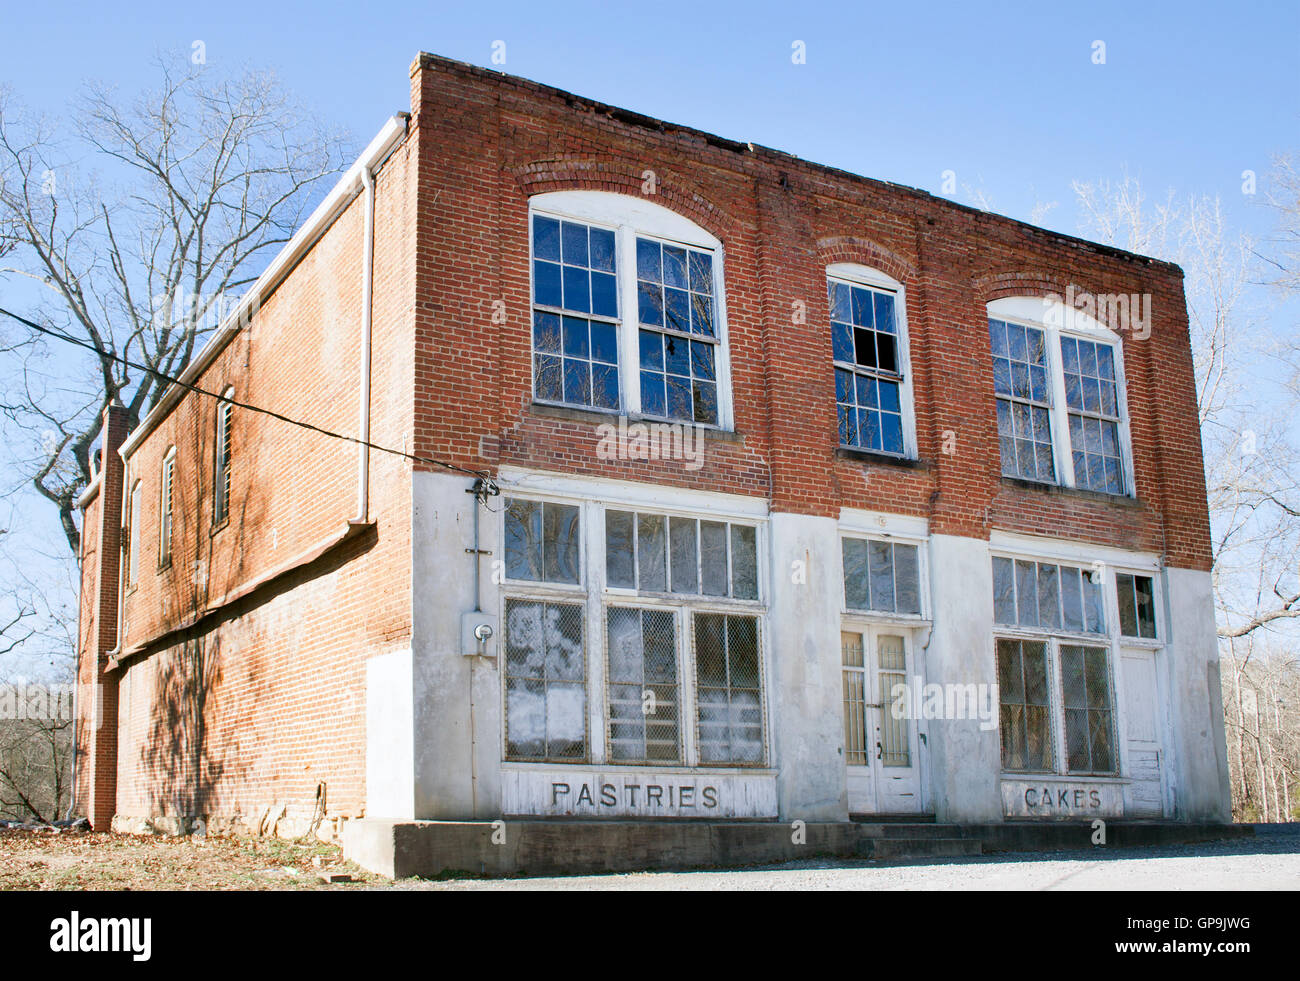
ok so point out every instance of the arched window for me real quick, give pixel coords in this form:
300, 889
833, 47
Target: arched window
1058, 376
628, 312
873, 386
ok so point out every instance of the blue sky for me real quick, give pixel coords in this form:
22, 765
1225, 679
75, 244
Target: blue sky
1006, 95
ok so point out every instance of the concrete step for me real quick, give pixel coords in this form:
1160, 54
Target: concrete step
898, 849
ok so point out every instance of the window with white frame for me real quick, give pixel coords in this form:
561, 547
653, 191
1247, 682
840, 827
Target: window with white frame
1054, 669
1059, 388
656, 553
1137, 607
222, 471
678, 607
1024, 400
543, 541
166, 493
881, 576
133, 536
627, 311
869, 352
546, 681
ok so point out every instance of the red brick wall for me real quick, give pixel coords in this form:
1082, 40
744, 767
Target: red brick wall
488, 142
265, 699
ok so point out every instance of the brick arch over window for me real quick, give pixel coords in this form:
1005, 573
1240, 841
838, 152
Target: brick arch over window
619, 177
998, 286
864, 252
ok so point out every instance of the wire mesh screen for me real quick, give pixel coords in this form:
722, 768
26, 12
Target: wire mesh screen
894, 749
855, 700
728, 683
546, 675
643, 692
728, 689
1089, 722
1024, 714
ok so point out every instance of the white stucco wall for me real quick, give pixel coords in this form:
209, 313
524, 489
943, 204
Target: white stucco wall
1202, 791
804, 652
965, 759
419, 748
447, 785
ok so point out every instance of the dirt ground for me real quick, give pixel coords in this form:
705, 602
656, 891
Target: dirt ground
76, 860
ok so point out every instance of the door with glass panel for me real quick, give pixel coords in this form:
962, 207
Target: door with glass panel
879, 742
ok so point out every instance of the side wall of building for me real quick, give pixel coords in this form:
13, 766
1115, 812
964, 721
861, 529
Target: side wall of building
245, 654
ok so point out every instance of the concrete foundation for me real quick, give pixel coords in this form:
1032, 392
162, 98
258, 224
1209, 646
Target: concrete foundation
432, 849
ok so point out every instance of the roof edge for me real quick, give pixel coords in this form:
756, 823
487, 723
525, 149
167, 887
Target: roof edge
757, 150
279, 268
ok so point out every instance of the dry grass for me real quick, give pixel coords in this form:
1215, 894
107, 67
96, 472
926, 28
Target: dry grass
81, 860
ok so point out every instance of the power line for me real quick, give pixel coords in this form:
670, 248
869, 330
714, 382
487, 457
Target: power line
491, 484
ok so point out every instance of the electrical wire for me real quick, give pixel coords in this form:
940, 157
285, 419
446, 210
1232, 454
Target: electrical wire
492, 487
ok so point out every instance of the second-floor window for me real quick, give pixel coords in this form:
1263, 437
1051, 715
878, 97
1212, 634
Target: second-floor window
869, 350
165, 498
626, 310
1058, 383
133, 537
221, 482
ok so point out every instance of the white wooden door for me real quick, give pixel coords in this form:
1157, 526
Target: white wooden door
1144, 796
883, 774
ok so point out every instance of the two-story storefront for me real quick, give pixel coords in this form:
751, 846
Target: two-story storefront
703, 482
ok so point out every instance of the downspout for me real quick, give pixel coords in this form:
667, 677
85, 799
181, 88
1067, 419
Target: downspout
367, 296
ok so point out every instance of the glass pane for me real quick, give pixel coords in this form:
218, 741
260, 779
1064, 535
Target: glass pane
894, 748
620, 569
1026, 593
856, 596
882, 575
907, 579
713, 558
1049, 607
652, 552
1072, 599
744, 562
686, 569
562, 549
546, 238
523, 539
1004, 591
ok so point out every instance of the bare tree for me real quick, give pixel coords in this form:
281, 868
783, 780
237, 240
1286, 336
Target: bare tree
1247, 432
140, 230
1246, 423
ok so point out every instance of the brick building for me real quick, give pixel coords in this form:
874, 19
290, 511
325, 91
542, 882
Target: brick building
771, 440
